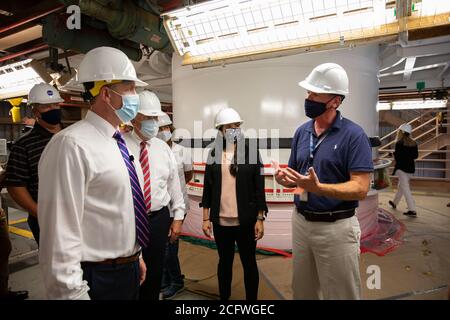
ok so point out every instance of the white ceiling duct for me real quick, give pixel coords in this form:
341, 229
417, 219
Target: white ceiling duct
160, 62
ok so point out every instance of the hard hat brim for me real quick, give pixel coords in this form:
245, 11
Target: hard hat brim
138, 83
151, 113
46, 102
224, 123
307, 86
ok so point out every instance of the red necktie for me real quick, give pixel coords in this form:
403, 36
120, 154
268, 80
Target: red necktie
143, 159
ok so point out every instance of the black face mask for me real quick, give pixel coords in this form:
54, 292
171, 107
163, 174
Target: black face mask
314, 109
52, 117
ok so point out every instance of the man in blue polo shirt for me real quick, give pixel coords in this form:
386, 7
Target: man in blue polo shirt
330, 165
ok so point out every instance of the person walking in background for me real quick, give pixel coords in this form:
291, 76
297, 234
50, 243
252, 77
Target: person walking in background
234, 202
172, 281
406, 152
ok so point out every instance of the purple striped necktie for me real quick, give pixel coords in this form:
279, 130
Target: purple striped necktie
142, 229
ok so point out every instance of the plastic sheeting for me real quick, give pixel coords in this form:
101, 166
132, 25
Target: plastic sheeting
387, 235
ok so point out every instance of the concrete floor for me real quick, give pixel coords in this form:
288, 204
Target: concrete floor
417, 269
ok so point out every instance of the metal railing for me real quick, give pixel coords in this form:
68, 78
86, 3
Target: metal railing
426, 130
435, 122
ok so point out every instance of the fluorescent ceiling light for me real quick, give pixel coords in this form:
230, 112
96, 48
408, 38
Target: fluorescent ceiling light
17, 79
411, 105
428, 13
221, 29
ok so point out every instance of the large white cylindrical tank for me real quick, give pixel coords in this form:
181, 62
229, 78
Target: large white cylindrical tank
266, 92
267, 96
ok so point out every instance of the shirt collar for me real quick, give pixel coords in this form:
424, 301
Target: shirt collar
100, 124
337, 123
37, 128
139, 140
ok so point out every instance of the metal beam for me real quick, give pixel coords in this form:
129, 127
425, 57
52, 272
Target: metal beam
158, 82
29, 19
401, 85
409, 66
424, 50
391, 64
444, 70
431, 66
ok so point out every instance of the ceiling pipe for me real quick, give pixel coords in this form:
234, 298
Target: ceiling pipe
29, 19
56, 34
21, 53
129, 22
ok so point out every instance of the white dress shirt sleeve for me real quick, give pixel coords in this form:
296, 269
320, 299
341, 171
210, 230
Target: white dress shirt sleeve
174, 189
63, 175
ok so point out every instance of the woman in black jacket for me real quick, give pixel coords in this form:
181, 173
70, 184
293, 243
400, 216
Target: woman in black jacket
234, 202
406, 152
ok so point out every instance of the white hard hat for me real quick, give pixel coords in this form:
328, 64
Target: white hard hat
227, 116
405, 128
106, 63
164, 120
149, 104
327, 78
44, 93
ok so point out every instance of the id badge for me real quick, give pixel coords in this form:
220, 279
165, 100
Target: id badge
304, 196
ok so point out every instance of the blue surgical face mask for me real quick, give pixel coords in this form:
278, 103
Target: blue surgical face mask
164, 135
149, 128
130, 107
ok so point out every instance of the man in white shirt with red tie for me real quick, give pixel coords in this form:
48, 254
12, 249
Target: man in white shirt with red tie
161, 187
91, 206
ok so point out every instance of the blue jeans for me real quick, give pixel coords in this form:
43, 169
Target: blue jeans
172, 272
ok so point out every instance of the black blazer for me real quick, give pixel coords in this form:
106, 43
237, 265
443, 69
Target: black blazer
250, 193
404, 157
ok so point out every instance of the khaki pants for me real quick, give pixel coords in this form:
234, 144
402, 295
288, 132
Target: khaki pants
5, 250
326, 259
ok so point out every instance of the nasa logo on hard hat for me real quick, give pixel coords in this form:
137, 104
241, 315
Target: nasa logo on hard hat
49, 93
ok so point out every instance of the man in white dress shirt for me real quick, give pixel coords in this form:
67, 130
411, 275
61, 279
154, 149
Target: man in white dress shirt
90, 242
161, 188
172, 280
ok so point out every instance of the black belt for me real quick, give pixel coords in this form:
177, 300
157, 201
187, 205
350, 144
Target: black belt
113, 262
326, 216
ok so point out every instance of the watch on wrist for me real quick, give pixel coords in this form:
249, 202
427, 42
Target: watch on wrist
262, 218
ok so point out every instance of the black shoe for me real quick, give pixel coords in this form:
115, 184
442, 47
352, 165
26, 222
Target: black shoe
170, 293
410, 213
15, 295
392, 204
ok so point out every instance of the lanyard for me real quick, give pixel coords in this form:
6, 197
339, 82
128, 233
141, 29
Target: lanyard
312, 147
